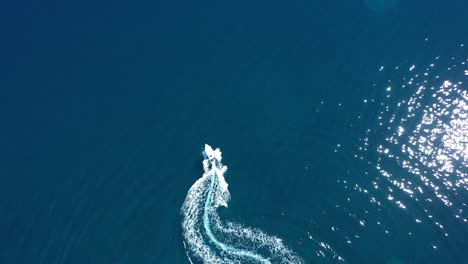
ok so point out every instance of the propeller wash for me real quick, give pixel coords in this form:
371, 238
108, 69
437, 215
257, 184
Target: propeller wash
208, 239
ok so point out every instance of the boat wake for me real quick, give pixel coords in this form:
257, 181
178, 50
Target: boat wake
208, 239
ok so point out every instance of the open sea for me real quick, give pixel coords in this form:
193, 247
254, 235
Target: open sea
343, 124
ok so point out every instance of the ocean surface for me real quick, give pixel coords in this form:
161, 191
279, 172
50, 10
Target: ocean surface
344, 125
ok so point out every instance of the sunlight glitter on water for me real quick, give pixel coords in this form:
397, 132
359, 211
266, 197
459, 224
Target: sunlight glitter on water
426, 134
436, 142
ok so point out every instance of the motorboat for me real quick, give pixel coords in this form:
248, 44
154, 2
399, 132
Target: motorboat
212, 159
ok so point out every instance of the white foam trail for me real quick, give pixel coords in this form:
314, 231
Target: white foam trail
210, 240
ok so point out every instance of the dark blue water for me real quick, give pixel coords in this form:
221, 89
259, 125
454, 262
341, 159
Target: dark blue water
105, 108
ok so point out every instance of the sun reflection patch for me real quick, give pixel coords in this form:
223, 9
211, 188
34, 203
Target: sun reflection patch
431, 140
421, 134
